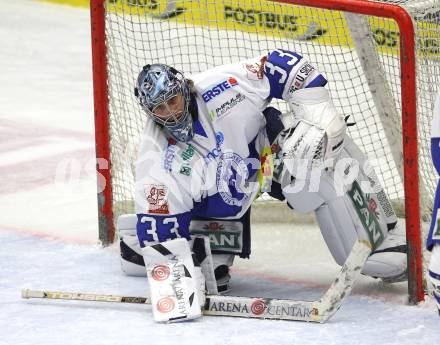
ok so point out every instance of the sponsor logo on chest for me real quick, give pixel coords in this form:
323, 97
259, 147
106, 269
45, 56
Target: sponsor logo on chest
226, 106
218, 89
187, 155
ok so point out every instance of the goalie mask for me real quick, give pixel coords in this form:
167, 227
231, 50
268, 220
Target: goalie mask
164, 94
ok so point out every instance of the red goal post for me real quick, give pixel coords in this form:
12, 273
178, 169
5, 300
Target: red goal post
102, 127
408, 118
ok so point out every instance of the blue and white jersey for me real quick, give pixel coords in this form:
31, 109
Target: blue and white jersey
218, 173
434, 231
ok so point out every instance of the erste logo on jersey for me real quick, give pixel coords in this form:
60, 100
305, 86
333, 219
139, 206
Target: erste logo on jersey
156, 196
219, 88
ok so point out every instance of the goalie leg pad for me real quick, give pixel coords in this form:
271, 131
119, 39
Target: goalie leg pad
433, 275
177, 287
345, 212
202, 256
222, 264
338, 226
389, 259
132, 262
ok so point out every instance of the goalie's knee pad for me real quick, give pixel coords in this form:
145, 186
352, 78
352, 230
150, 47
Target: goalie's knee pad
132, 262
433, 275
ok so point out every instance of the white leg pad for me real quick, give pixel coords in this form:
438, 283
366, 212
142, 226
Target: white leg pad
433, 275
175, 284
346, 213
385, 262
338, 232
132, 263
201, 249
222, 264
341, 226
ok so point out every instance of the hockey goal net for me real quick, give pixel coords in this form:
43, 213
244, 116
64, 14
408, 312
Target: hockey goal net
381, 59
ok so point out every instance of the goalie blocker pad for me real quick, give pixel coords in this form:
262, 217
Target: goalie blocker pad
322, 129
176, 285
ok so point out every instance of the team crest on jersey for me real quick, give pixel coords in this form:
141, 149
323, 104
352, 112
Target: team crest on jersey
156, 196
231, 179
188, 153
255, 71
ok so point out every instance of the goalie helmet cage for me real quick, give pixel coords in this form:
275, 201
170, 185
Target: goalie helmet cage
367, 49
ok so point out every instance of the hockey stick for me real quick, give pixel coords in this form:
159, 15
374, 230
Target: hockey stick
251, 307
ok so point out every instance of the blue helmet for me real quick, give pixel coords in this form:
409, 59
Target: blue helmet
156, 85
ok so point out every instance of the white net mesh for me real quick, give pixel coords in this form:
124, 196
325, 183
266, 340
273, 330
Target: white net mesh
193, 36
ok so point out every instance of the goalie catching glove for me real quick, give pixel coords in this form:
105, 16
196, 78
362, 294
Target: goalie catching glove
315, 132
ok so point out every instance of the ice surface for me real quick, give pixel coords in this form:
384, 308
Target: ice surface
48, 222
39, 263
